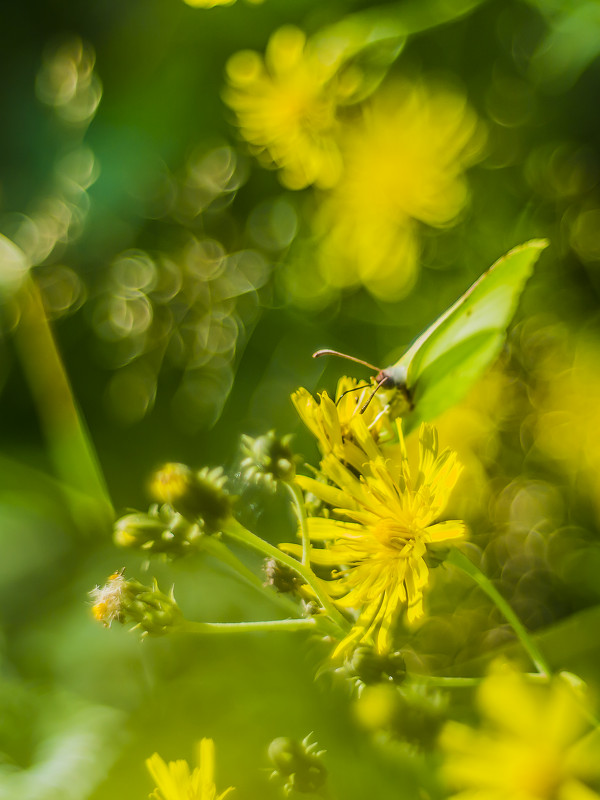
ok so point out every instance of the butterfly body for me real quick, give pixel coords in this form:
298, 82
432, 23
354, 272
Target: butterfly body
393, 377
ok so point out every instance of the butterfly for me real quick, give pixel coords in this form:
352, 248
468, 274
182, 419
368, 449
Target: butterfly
447, 358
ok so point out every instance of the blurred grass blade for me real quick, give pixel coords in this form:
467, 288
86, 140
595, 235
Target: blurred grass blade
70, 446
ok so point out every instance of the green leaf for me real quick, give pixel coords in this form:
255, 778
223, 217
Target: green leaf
444, 362
374, 38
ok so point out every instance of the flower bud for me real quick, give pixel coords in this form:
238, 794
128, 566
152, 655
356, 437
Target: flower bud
127, 600
412, 713
109, 599
161, 530
367, 667
268, 459
198, 496
137, 530
298, 764
281, 578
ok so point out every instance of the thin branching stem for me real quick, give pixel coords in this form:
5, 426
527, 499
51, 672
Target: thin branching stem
300, 508
216, 548
289, 625
237, 531
461, 562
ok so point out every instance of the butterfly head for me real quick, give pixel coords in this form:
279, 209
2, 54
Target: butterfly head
390, 378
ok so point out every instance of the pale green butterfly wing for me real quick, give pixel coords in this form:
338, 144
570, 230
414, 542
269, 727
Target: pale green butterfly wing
444, 362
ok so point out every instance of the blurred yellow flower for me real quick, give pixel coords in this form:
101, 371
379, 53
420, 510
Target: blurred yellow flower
529, 748
392, 520
174, 781
208, 3
285, 106
330, 422
214, 3
404, 158
567, 426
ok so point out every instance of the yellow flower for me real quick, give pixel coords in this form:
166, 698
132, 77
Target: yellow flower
330, 422
403, 163
568, 420
175, 782
391, 517
214, 3
208, 3
285, 106
530, 747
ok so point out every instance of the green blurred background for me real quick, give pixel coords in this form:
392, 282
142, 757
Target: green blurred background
144, 163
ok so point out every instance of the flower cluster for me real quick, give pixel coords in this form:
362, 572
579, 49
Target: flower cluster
386, 165
404, 159
384, 516
286, 106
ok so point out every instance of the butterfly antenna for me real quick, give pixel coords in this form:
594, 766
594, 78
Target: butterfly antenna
354, 389
373, 393
320, 353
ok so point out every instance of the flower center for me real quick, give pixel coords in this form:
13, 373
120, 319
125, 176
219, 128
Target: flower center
396, 535
540, 775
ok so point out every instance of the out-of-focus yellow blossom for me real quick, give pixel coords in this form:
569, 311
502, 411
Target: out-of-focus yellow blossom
214, 3
392, 518
404, 158
286, 108
568, 422
208, 3
174, 781
330, 422
529, 748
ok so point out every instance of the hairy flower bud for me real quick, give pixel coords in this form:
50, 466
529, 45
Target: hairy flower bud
268, 459
198, 496
298, 764
127, 600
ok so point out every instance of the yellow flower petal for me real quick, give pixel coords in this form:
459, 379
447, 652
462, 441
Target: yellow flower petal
446, 531
525, 747
175, 782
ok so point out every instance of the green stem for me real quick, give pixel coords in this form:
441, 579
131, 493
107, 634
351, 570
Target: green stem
461, 562
300, 508
220, 551
237, 531
248, 627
